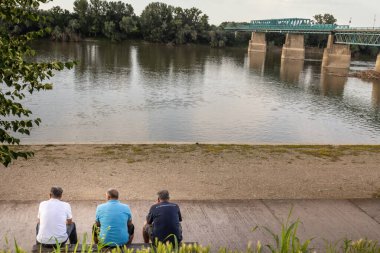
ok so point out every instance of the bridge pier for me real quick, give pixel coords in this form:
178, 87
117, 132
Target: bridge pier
294, 47
257, 43
336, 57
377, 68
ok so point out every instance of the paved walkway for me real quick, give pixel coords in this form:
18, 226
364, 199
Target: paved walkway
221, 223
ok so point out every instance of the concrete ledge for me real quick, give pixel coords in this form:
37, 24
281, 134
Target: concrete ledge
257, 43
294, 47
337, 56
223, 223
293, 53
257, 48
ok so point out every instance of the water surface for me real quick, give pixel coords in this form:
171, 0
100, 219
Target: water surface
140, 92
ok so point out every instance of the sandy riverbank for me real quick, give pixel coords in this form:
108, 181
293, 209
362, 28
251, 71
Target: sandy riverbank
195, 172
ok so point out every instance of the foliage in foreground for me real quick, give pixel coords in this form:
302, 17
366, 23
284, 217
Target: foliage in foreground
360, 246
19, 75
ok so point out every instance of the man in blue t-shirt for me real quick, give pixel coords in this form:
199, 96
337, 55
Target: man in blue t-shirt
115, 222
163, 220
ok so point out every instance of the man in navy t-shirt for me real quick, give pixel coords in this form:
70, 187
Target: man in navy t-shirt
163, 220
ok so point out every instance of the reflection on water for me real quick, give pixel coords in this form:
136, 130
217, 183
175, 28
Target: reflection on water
257, 61
290, 70
376, 94
332, 84
140, 92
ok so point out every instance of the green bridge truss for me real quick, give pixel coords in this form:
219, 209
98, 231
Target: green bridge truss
344, 34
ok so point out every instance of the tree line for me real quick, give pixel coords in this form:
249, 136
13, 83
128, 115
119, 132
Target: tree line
117, 21
158, 22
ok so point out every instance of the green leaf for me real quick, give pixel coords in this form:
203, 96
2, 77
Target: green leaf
19, 75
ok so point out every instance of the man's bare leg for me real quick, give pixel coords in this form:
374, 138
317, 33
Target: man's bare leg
145, 233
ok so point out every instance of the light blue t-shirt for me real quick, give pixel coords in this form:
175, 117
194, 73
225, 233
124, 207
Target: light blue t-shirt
113, 217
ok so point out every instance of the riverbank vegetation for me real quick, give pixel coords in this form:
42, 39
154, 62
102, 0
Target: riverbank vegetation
116, 20
142, 152
285, 242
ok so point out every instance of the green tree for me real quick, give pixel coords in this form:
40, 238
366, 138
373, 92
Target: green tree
19, 76
189, 24
110, 30
81, 9
114, 24
325, 19
58, 17
96, 16
320, 40
128, 24
156, 22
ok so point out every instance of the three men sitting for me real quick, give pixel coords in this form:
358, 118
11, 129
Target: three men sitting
113, 224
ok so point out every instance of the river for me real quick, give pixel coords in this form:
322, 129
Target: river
135, 92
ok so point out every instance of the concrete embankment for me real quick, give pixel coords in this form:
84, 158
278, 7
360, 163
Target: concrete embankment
226, 223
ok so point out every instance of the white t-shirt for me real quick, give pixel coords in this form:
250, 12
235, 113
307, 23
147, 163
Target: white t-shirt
53, 215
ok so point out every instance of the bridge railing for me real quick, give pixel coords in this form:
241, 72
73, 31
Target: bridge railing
344, 34
358, 29
283, 27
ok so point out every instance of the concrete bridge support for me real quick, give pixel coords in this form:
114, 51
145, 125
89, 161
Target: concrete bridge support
294, 47
377, 68
257, 43
336, 57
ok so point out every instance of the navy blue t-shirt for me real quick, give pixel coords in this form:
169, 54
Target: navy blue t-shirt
166, 218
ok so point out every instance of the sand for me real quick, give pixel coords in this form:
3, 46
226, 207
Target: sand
195, 172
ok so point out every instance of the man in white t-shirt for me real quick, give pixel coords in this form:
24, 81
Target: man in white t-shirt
55, 221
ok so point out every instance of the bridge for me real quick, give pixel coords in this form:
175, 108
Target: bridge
336, 55
368, 36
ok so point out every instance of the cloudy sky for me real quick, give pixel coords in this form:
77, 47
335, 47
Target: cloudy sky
361, 12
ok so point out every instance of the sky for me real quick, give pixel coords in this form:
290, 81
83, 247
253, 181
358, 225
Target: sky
361, 13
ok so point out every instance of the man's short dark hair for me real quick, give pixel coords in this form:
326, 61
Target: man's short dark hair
56, 192
113, 193
163, 195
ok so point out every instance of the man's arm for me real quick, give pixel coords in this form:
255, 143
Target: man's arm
39, 214
69, 215
179, 215
97, 217
149, 217
131, 227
